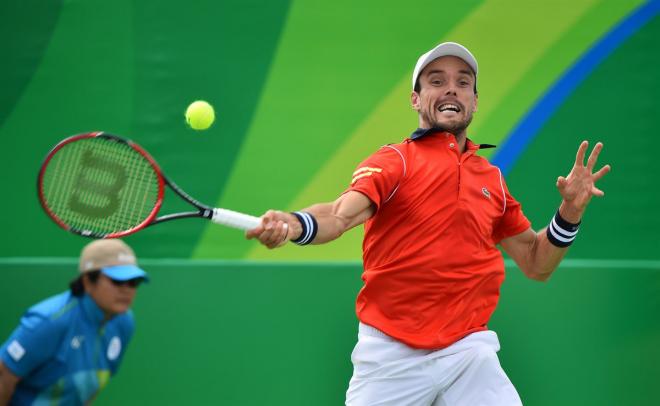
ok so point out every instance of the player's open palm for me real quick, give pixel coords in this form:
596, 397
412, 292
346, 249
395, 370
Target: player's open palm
579, 186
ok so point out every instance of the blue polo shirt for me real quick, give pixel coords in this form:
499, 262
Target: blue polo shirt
64, 352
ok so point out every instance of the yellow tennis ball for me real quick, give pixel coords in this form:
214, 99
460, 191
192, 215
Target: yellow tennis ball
200, 115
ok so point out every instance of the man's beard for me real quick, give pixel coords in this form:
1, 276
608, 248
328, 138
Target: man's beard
456, 127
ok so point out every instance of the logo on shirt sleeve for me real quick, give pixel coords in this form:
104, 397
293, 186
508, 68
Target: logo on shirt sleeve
364, 172
16, 350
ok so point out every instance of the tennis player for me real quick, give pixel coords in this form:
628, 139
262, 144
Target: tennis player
434, 212
67, 346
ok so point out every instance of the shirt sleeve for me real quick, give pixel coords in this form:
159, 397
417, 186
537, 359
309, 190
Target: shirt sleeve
379, 175
33, 342
513, 221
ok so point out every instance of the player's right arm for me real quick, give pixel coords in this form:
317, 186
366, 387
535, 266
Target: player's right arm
374, 182
8, 382
349, 210
334, 218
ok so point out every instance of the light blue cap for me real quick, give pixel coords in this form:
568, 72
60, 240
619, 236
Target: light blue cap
124, 272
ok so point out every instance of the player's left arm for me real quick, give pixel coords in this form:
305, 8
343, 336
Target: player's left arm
534, 252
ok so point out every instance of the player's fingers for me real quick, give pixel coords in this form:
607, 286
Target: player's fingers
274, 223
268, 218
593, 157
250, 234
269, 237
269, 226
255, 232
286, 234
579, 157
282, 236
278, 231
602, 172
264, 232
276, 234
597, 192
561, 182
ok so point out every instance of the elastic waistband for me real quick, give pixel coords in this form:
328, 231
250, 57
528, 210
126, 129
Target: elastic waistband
367, 330
487, 337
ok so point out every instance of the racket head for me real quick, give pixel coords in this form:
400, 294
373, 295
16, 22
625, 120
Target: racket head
100, 185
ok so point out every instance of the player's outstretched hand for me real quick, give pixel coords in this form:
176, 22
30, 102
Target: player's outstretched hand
274, 229
579, 186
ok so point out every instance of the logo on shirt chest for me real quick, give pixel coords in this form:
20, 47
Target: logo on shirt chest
485, 192
114, 348
76, 342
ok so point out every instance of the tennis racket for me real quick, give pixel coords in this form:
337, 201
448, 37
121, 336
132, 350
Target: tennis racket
100, 185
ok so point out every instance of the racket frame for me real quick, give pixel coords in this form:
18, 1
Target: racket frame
87, 233
220, 216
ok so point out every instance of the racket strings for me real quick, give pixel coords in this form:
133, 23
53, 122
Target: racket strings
100, 185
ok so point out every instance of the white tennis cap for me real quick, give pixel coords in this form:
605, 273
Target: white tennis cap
444, 49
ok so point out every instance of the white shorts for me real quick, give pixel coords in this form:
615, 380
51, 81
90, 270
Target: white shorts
467, 373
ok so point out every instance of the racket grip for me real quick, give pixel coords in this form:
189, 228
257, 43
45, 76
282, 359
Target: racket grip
235, 219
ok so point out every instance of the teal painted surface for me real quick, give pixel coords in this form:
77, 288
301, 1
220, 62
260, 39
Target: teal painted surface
249, 334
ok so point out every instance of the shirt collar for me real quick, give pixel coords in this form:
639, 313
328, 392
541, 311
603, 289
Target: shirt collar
92, 310
420, 132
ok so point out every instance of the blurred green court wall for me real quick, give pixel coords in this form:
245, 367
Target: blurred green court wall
238, 333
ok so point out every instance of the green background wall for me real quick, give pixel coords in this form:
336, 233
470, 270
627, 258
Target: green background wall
303, 91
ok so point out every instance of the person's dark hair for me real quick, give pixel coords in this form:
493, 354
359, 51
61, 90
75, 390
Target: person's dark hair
76, 285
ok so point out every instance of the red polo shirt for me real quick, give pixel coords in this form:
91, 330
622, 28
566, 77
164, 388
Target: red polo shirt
432, 273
